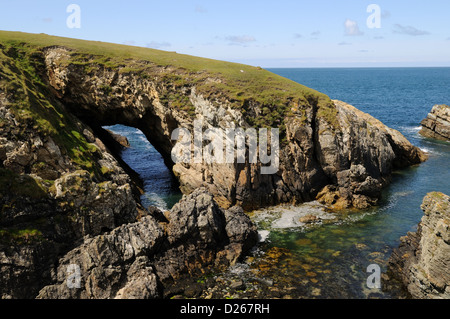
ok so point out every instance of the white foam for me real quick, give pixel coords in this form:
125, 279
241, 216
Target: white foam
156, 200
288, 217
263, 235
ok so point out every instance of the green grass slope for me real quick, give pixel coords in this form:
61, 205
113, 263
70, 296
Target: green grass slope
240, 84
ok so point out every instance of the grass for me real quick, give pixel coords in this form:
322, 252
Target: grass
20, 236
239, 84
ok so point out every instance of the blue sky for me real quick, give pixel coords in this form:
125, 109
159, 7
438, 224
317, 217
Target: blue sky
283, 33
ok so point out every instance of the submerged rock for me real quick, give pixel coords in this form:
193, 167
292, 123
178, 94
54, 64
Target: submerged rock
422, 261
437, 123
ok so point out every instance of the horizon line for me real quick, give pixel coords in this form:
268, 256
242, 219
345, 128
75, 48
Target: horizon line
357, 67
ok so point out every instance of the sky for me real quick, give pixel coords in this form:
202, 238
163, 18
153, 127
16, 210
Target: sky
282, 33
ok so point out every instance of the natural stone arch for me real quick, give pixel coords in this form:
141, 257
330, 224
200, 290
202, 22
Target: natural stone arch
344, 157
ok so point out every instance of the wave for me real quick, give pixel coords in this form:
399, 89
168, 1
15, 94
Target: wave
413, 130
289, 217
154, 199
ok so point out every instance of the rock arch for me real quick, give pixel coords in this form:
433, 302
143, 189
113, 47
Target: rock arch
344, 160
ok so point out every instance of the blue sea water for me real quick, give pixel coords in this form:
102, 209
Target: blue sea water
335, 256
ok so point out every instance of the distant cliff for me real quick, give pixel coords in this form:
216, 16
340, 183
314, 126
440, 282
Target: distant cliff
422, 260
61, 182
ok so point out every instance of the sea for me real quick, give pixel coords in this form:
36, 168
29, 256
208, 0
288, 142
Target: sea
341, 256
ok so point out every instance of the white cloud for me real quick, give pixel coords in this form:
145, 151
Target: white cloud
351, 28
157, 45
400, 29
240, 39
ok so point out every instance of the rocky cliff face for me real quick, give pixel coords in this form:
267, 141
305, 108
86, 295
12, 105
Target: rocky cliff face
422, 260
358, 159
437, 123
346, 154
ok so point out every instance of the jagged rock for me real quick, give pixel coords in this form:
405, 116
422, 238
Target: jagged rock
104, 260
437, 123
239, 228
140, 260
100, 206
422, 260
48, 203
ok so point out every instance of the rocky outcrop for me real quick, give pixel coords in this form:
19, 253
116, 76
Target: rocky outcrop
437, 123
358, 158
146, 259
422, 260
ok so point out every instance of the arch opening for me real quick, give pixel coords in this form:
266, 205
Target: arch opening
160, 186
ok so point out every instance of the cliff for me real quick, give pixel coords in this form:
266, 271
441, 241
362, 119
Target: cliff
437, 123
61, 183
422, 261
